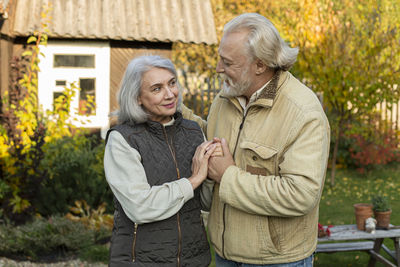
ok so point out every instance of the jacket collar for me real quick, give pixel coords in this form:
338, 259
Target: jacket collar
268, 95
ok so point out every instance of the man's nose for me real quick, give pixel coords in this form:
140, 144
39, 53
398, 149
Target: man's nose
219, 68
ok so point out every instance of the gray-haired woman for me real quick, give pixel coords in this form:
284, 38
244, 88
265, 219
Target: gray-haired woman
148, 154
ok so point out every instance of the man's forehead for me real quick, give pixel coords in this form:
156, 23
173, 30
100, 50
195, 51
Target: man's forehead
231, 47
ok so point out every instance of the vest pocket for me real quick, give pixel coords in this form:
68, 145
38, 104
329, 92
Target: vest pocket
134, 243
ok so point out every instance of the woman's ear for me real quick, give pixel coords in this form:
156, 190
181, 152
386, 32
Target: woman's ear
260, 67
139, 101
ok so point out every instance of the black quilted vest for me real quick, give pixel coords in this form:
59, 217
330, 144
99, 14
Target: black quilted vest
181, 239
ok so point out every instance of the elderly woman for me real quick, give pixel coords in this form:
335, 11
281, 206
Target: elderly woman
155, 163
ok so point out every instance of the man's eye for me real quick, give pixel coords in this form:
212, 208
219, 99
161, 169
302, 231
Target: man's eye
172, 83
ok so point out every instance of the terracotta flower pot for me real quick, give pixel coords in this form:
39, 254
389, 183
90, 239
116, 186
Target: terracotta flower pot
382, 218
362, 211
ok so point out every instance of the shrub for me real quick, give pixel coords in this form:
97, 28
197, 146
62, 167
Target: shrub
91, 218
41, 239
96, 253
75, 169
368, 143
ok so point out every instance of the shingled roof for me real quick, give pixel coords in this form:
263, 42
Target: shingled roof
188, 21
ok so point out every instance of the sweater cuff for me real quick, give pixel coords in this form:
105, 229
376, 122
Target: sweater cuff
186, 188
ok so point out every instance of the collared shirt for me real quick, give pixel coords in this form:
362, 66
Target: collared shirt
254, 96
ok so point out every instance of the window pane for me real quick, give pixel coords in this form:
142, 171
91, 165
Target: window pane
76, 61
61, 83
87, 96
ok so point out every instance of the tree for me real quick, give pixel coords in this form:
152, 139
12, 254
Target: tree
349, 52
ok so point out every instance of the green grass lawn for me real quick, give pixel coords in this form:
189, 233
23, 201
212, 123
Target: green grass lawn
351, 187
336, 207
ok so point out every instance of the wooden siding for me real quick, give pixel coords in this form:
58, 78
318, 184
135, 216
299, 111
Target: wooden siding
121, 54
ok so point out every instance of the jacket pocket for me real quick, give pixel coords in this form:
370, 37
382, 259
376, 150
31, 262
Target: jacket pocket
259, 159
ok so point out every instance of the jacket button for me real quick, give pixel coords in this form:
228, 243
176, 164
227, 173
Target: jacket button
254, 158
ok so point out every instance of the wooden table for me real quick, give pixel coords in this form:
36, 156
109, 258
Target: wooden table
350, 233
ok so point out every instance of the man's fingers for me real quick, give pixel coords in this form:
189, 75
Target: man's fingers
225, 147
218, 152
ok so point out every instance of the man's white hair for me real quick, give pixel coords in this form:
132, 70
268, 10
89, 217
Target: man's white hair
264, 41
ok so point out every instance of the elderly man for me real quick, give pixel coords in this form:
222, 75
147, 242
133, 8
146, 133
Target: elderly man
275, 140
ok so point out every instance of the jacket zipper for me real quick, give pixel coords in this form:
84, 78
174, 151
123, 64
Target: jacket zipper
223, 211
177, 215
134, 242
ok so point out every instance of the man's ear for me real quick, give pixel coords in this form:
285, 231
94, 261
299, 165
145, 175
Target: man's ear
260, 67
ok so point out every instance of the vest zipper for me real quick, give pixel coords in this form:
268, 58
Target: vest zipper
180, 239
134, 242
178, 260
223, 211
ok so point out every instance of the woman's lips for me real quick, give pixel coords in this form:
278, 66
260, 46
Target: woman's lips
172, 105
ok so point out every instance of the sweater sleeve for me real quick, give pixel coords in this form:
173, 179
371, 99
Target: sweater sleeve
126, 176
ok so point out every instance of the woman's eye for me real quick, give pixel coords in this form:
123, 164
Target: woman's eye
172, 83
156, 89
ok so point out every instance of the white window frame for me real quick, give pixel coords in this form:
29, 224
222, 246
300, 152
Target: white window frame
48, 76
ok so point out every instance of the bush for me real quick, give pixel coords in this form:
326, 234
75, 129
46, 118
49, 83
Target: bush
368, 144
46, 239
96, 253
76, 172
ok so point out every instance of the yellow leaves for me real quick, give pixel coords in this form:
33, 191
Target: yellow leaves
19, 204
92, 218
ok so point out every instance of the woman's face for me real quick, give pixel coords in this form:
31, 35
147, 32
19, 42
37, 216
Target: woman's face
159, 94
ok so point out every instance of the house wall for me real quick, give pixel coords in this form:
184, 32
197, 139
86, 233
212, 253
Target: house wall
122, 53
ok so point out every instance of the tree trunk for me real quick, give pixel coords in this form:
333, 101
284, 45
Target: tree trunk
334, 156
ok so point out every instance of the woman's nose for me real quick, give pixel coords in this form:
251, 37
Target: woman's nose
169, 93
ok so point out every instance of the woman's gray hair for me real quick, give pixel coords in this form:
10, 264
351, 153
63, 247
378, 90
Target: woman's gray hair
129, 91
264, 41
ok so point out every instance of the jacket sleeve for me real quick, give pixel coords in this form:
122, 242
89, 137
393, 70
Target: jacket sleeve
141, 202
189, 115
298, 186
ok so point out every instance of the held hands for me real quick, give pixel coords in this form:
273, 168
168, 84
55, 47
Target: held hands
220, 160
200, 163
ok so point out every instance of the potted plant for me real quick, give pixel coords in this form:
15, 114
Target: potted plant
363, 211
382, 210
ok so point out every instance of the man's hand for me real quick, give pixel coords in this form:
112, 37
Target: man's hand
217, 165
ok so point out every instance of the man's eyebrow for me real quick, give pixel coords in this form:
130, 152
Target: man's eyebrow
224, 58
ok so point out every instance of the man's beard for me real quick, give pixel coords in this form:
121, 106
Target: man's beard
238, 88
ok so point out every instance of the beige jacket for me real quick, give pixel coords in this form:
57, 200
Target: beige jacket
265, 210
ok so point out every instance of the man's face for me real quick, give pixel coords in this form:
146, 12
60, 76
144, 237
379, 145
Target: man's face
234, 64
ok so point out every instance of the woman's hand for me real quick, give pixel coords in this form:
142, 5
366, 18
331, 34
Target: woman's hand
200, 163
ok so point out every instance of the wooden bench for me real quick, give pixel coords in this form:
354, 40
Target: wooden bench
340, 236
344, 246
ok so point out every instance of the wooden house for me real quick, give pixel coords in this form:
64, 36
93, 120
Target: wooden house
92, 41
